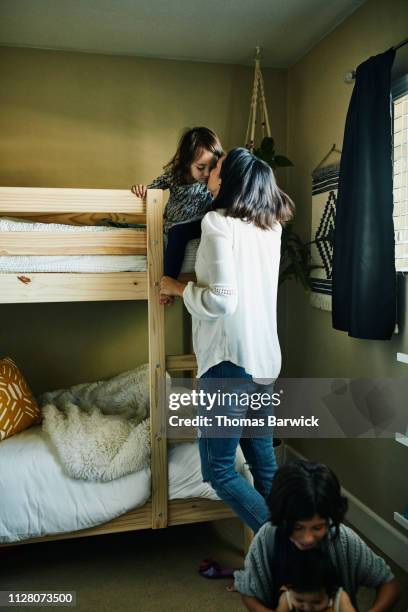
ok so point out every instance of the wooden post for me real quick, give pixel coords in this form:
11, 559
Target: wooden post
154, 221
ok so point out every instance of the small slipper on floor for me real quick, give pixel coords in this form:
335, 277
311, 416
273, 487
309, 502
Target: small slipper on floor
213, 570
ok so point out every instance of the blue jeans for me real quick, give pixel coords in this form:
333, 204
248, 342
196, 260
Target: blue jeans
218, 462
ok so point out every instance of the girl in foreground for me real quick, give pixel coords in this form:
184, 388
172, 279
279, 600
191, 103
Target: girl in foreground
307, 510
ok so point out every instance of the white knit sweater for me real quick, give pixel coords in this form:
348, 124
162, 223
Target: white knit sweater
233, 303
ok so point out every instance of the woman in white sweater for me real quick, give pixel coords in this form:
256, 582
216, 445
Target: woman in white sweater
233, 308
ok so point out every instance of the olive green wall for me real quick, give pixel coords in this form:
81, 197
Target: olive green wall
97, 121
318, 98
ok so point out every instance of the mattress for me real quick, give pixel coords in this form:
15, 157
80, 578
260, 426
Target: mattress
38, 499
77, 263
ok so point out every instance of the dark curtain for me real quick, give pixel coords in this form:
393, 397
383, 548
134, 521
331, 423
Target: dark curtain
364, 278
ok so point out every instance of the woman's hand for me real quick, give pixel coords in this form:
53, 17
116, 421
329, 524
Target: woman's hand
171, 287
139, 190
386, 596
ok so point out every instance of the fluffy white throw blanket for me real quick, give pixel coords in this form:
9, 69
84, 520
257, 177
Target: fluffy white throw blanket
100, 430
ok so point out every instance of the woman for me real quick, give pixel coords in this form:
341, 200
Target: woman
307, 512
233, 307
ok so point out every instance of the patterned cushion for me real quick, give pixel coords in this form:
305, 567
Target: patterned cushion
18, 408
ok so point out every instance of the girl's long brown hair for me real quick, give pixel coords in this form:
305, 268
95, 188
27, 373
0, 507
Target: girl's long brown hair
191, 144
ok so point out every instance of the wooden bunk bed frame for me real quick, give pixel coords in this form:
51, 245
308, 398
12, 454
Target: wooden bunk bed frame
88, 206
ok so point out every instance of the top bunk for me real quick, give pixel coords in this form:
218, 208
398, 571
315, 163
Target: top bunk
80, 212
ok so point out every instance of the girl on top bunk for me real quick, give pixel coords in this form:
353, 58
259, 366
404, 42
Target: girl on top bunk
307, 511
312, 585
185, 176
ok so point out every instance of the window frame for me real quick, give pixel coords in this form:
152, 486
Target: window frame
399, 88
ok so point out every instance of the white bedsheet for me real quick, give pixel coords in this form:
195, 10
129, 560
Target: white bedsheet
77, 263
25, 264
37, 498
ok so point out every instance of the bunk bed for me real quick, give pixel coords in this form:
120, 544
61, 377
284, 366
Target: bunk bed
80, 207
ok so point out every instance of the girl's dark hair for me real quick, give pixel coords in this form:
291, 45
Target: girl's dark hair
249, 191
311, 571
302, 489
190, 145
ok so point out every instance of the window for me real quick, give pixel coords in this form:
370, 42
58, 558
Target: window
400, 161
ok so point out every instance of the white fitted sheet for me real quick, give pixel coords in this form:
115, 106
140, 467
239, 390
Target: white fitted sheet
37, 498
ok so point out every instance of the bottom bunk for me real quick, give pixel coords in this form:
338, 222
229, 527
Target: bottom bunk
86, 469
40, 502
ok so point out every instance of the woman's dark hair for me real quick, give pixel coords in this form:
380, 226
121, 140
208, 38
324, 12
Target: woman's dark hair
190, 146
311, 571
303, 489
249, 191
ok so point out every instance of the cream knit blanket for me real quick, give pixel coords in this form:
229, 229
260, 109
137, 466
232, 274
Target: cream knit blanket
100, 430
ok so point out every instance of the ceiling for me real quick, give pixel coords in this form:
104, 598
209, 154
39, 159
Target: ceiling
225, 31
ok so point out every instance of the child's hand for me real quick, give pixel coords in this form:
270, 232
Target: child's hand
166, 300
139, 190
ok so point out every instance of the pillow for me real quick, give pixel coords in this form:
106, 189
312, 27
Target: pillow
18, 407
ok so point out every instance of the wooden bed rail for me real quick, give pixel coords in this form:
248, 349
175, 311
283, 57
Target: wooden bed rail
41, 287
181, 363
72, 206
114, 242
41, 200
181, 511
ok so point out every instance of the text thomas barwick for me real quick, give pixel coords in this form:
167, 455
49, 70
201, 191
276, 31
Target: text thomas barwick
225, 421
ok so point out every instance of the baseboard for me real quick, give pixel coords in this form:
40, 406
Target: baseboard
383, 535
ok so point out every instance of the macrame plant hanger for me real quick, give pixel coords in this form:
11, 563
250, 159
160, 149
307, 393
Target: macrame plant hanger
258, 99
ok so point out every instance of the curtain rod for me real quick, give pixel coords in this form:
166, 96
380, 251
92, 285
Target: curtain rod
401, 44
351, 75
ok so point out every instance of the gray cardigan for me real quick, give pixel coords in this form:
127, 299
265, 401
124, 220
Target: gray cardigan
355, 562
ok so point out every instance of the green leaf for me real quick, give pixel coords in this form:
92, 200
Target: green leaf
282, 161
266, 157
295, 258
268, 145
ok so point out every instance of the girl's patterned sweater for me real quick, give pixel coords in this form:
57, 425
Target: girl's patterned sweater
186, 203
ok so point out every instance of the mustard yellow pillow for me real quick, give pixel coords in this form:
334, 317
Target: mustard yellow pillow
18, 407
